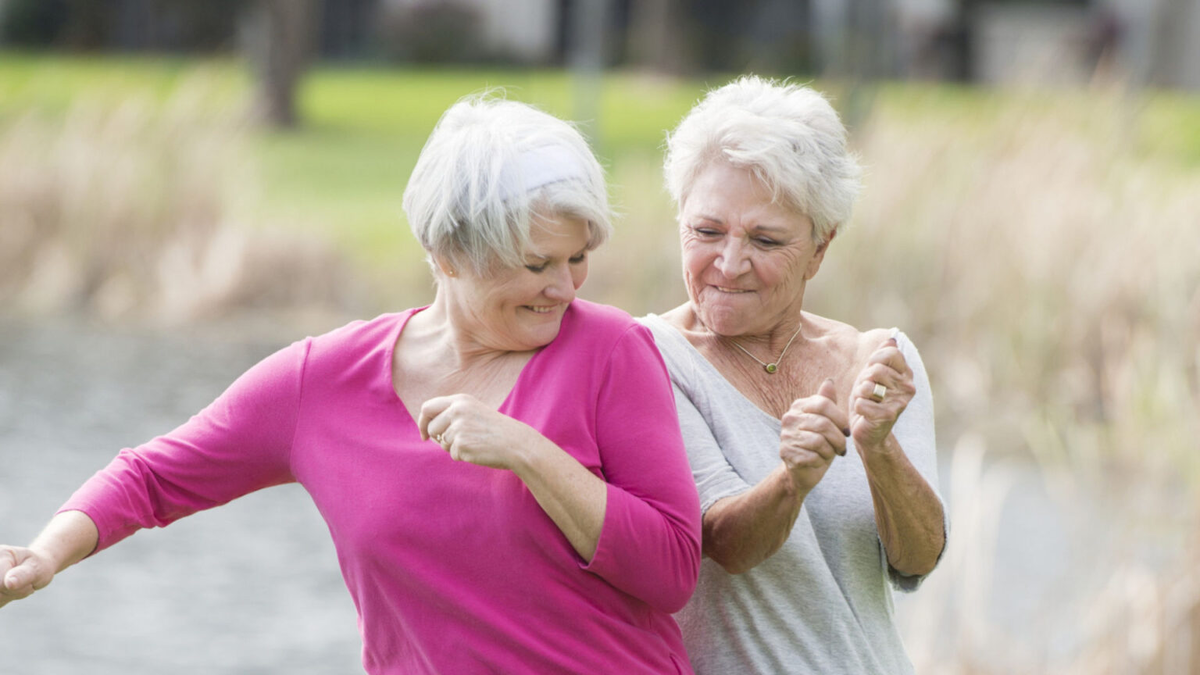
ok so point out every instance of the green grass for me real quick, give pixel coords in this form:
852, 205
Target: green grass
343, 173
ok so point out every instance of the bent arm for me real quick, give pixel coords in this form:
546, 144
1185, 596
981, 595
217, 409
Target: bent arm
69, 537
908, 513
573, 498
742, 531
902, 475
649, 543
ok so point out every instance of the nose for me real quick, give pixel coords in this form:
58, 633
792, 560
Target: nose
733, 260
562, 285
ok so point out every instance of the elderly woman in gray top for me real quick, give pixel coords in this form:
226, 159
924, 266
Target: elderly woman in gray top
811, 441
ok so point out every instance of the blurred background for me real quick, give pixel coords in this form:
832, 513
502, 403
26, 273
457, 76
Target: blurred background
188, 185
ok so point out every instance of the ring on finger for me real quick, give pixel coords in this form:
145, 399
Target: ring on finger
879, 392
439, 439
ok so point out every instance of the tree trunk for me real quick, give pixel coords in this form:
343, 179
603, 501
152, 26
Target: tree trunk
280, 44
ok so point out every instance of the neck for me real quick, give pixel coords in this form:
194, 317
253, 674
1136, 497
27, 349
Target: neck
787, 334
450, 338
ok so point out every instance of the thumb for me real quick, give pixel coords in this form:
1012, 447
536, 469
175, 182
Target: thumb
20, 576
828, 390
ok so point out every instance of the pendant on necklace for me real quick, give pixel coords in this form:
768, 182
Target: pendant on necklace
771, 367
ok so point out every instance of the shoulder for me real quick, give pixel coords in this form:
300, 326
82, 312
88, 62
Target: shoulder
360, 332
839, 342
595, 326
356, 343
673, 344
871, 340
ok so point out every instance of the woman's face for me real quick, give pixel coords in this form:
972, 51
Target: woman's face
746, 259
521, 309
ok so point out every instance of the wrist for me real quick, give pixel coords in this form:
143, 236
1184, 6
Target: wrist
531, 455
792, 487
888, 446
70, 537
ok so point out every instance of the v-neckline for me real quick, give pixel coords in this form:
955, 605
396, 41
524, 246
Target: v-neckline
697, 355
394, 338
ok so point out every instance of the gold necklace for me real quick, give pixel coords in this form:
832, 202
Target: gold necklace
769, 367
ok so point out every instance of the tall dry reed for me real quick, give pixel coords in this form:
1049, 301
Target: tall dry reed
1049, 269
132, 212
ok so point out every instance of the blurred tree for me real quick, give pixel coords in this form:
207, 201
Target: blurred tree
432, 32
280, 41
32, 23
658, 36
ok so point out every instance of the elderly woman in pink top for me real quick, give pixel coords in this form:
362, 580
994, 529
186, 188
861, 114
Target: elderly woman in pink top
501, 471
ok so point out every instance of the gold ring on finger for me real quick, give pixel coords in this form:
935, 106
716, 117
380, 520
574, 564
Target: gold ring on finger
879, 392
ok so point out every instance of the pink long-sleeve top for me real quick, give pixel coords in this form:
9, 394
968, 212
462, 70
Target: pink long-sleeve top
453, 567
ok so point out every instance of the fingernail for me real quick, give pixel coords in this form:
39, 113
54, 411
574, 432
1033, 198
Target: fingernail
846, 432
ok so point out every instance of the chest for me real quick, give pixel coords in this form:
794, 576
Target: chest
416, 379
384, 492
799, 377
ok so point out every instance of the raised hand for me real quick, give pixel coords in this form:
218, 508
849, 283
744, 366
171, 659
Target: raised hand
875, 409
813, 434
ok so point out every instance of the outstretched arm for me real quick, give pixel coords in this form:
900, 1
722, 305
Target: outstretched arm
69, 538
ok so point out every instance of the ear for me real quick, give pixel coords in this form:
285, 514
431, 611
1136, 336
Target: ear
444, 265
819, 256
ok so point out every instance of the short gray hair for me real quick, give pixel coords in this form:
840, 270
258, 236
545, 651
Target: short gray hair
489, 169
787, 134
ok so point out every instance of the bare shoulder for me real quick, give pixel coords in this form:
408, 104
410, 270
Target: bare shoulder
844, 346
842, 337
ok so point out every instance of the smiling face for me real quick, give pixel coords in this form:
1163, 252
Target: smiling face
746, 259
520, 309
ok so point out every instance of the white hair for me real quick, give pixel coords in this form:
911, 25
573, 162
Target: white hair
786, 134
491, 168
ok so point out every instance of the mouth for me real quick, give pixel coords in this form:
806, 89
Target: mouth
724, 289
542, 309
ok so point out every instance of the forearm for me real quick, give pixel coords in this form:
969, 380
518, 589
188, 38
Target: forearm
68, 538
741, 532
572, 496
908, 513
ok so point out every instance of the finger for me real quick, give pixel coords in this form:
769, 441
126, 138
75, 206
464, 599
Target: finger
429, 411
808, 442
878, 411
834, 432
889, 354
438, 430
891, 388
19, 581
882, 373
824, 407
8, 560
828, 390
836, 415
